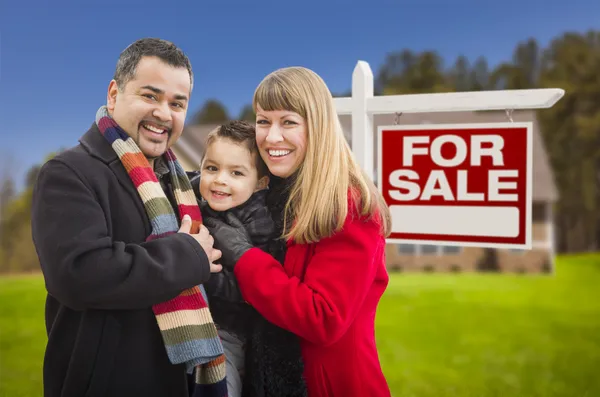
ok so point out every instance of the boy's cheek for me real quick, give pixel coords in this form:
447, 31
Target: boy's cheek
203, 188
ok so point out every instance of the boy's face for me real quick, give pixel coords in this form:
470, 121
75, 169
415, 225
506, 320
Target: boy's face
229, 176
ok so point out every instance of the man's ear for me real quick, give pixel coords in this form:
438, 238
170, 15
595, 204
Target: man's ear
111, 96
262, 183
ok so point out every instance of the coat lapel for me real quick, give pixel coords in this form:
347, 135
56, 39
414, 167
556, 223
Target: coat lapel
98, 147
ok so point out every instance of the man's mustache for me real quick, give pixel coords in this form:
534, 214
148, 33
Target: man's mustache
160, 124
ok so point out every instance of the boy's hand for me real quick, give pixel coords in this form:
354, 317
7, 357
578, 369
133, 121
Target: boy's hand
231, 236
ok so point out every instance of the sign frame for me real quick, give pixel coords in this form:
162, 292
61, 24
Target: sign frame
527, 245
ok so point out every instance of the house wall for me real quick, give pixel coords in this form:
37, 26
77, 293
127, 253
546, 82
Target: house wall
430, 258
536, 260
468, 259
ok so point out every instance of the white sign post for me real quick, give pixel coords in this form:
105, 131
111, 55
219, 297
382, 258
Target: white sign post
363, 105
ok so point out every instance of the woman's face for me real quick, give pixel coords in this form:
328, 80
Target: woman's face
281, 138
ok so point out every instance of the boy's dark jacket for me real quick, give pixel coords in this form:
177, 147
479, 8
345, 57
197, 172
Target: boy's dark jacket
273, 363
227, 306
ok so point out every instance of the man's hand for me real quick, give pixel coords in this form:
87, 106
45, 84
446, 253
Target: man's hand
205, 240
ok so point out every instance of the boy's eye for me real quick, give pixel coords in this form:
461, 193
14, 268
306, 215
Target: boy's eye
210, 168
237, 173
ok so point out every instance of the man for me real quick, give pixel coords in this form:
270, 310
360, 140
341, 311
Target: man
107, 259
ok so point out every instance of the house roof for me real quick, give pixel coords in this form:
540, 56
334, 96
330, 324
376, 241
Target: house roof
191, 144
192, 140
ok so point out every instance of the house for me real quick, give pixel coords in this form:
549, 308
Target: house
434, 258
190, 146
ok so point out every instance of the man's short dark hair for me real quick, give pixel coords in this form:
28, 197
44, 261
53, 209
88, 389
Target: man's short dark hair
149, 47
243, 133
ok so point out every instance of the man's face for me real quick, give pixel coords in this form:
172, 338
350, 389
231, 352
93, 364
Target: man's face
151, 108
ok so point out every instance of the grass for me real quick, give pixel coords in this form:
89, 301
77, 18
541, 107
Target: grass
439, 335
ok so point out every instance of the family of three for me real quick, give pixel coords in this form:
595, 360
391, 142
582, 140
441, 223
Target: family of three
258, 275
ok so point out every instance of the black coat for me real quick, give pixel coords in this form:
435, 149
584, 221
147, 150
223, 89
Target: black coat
89, 229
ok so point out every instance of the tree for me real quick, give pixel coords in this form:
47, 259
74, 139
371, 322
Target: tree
247, 114
459, 74
429, 74
479, 77
213, 112
32, 175
395, 74
409, 73
7, 193
523, 72
571, 131
345, 94
16, 246
17, 252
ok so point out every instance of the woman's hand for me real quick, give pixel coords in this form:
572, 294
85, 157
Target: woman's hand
230, 236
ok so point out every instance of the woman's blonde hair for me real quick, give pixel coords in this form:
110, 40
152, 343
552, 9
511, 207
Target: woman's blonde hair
318, 201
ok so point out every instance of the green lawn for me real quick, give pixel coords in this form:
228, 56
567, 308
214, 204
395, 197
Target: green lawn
439, 334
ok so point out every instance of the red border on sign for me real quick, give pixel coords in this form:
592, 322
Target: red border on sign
517, 154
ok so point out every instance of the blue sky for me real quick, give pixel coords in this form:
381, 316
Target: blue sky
57, 57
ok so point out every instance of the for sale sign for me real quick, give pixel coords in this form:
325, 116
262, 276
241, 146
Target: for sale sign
458, 184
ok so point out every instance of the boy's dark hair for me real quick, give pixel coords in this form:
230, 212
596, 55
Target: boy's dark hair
240, 132
149, 47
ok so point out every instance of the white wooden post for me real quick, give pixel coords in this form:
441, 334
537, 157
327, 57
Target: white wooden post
362, 120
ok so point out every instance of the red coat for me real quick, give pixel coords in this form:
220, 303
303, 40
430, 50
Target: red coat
327, 294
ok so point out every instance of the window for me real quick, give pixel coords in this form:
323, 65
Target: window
427, 249
409, 249
450, 249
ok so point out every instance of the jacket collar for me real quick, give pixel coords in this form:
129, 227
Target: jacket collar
97, 145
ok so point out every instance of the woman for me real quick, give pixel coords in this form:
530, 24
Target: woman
334, 224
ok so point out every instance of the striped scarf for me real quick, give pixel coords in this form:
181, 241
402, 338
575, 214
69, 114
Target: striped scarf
186, 325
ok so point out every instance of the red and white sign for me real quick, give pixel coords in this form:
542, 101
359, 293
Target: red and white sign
458, 184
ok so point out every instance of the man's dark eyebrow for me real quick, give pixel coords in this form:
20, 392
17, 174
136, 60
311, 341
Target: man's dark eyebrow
181, 97
158, 91
154, 89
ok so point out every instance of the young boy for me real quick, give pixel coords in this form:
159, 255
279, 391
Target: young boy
234, 178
